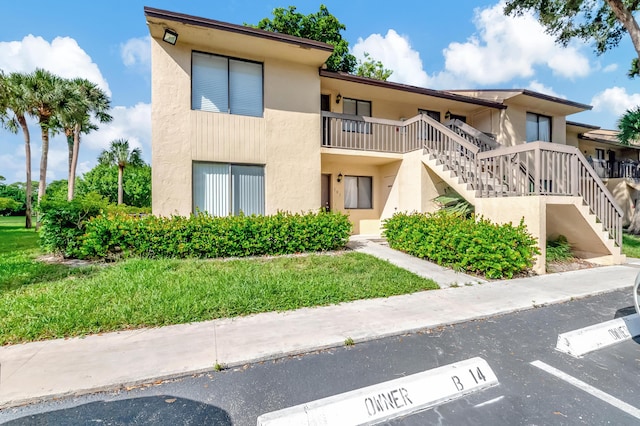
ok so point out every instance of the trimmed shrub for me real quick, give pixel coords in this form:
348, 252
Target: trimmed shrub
64, 222
474, 245
204, 236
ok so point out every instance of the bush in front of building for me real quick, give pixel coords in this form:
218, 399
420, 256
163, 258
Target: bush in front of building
203, 236
63, 223
473, 245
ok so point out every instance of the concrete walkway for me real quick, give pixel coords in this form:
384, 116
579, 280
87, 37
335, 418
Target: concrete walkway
445, 277
35, 371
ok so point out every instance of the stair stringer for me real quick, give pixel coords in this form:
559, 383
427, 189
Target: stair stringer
451, 179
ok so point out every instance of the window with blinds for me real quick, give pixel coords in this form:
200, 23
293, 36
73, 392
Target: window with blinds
227, 85
358, 192
228, 189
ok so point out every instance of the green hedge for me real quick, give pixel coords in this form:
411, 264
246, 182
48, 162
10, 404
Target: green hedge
473, 245
64, 222
205, 236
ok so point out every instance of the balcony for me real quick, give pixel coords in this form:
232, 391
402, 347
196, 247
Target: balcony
618, 169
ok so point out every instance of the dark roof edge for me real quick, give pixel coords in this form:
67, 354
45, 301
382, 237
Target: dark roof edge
411, 89
555, 99
241, 29
533, 94
586, 126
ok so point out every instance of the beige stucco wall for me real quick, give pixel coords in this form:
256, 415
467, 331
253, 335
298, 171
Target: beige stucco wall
286, 139
512, 125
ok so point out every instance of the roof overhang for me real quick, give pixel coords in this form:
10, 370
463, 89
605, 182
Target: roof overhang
580, 127
369, 84
533, 101
206, 33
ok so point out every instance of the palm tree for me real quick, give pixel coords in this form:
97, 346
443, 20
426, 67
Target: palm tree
629, 126
14, 98
83, 99
121, 155
46, 97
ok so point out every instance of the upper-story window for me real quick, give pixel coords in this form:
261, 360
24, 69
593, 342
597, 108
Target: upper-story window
222, 84
433, 114
538, 127
356, 107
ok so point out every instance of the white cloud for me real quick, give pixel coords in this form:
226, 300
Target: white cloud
132, 123
615, 100
502, 49
610, 68
136, 52
509, 47
395, 52
62, 57
536, 86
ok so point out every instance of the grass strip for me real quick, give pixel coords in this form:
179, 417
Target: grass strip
141, 292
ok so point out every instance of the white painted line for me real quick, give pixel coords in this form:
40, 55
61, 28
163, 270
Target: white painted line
621, 405
489, 402
391, 399
582, 341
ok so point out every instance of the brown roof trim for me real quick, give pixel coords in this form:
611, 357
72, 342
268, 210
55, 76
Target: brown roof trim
240, 29
586, 126
533, 94
411, 89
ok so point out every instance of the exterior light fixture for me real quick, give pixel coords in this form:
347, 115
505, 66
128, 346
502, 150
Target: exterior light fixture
447, 115
170, 36
338, 101
339, 177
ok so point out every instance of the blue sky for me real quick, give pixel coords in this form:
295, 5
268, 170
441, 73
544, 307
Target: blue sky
427, 43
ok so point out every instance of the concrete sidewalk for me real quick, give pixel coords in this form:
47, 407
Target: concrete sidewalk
35, 371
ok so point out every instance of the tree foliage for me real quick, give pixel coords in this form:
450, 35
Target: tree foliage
121, 155
373, 69
320, 26
602, 22
103, 180
17, 192
629, 126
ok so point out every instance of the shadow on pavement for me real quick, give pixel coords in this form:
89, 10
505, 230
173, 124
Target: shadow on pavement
156, 410
623, 312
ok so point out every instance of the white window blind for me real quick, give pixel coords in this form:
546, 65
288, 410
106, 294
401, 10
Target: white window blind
211, 186
221, 84
245, 86
210, 88
224, 189
248, 189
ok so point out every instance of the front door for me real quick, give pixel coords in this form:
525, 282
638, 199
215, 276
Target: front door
326, 192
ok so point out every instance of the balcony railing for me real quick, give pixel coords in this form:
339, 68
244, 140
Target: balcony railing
542, 168
617, 169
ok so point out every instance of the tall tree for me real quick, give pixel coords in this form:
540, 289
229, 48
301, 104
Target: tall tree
16, 97
46, 97
320, 26
372, 69
121, 155
603, 22
82, 101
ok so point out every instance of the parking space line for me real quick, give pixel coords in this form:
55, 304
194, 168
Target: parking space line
603, 396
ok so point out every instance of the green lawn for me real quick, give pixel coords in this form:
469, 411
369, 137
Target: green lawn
631, 245
39, 301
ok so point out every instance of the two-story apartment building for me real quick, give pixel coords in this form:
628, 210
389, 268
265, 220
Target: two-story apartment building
245, 120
